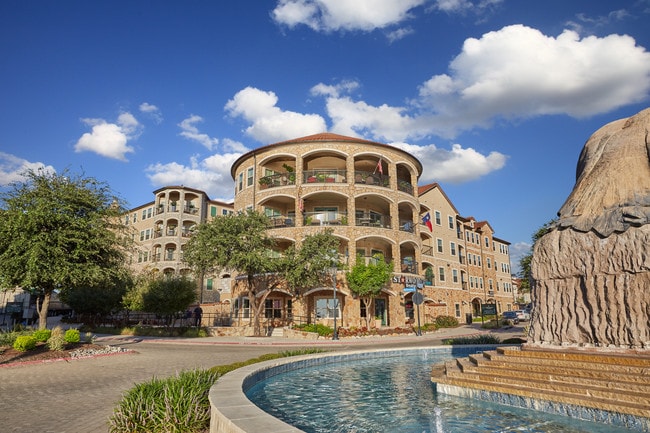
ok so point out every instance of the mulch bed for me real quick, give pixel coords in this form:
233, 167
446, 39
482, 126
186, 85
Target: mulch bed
9, 355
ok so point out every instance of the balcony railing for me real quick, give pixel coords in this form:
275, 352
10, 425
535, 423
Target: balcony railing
324, 176
427, 250
373, 220
325, 218
405, 186
407, 226
282, 221
279, 179
370, 178
409, 267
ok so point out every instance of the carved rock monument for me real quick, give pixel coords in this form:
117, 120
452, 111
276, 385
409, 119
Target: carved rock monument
591, 272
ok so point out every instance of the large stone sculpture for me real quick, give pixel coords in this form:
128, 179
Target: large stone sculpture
591, 271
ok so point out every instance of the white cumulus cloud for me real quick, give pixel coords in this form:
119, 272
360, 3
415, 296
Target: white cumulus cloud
211, 175
12, 168
191, 132
110, 139
518, 72
334, 15
456, 165
269, 123
152, 111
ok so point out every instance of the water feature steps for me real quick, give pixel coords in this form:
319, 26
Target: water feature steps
612, 382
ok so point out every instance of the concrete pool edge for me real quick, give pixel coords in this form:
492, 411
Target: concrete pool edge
232, 412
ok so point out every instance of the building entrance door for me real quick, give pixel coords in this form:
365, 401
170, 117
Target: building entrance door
380, 310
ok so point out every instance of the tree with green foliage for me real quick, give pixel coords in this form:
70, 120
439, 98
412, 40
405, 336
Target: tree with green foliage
367, 279
239, 243
168, 295
308, 265
524, 262
59, 231
91, 302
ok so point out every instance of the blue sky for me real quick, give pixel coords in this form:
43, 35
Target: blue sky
496, 97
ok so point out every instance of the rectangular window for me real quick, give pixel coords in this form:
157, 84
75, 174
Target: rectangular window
480, 280
452, 248
240, 183
224, 212
149, 213
273, 308
441, 274
145, 256
147, 234
144, 213
135, 217
490, 284
208, 284
325, 308
457, 308
242, 308
142, 235
126, 220
438, 216
213, 211
454, 275
479, 260
439, 241
451, 222
249, 177
487, 242
489, 263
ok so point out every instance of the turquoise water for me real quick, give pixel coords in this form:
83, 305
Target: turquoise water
394, 394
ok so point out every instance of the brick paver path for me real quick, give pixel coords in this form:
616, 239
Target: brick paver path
79, 396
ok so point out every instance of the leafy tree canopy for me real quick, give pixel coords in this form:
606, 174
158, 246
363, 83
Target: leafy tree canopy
234, 242
367, 279
167, 295
306, 267
59, 231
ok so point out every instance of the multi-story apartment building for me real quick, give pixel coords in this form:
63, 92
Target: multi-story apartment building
367, 194
162, 227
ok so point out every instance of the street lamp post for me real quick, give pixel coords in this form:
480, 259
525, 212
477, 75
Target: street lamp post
335, 335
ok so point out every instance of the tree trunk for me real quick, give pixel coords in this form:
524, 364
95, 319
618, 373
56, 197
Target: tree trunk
42, 310
366, 304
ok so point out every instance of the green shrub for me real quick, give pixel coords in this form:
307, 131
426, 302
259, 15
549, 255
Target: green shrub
320, 329
481, 339
42, 335
72, 336
492, 324
176, 404
179, 403
24, 343
57, 339
8, 338
446, 322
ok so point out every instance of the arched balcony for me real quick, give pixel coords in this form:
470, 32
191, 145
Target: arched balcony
326, 166
371, 170
372, 210
277, 171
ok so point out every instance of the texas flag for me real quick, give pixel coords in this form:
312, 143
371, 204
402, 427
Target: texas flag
426, 219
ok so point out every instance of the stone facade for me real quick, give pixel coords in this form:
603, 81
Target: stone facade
367, 193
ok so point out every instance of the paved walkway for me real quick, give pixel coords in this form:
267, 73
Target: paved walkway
79, 396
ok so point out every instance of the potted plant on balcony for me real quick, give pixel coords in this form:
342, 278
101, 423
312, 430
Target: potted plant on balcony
264, 182
173, 205
428, 276
290, 173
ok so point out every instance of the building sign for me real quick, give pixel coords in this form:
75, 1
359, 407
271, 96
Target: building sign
489, 309
408, 280
409, 289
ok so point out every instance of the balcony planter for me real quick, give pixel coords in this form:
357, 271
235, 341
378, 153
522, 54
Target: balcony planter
329, 179
311, 179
